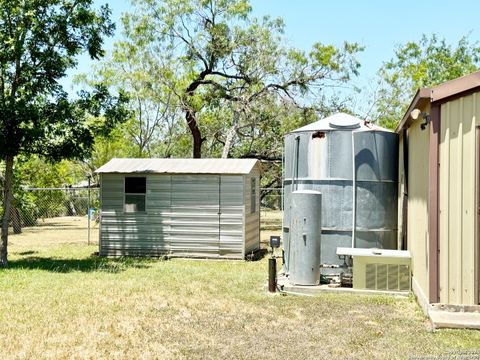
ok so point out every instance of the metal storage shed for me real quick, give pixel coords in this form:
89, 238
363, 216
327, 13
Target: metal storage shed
440, 187
181, 207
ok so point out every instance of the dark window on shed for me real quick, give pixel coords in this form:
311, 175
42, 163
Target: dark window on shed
135, 190
253, 198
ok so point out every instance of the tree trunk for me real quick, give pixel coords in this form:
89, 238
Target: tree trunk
7, 203
71, 208
228, 141
197, 136
232, 131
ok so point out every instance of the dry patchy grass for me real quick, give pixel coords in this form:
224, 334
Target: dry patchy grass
59, 302
55, 231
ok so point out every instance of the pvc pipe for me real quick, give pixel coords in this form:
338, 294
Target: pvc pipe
354, 191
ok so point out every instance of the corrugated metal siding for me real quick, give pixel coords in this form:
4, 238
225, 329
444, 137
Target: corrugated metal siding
134, 233
186, 215
418, 149
252, 220
195, 215
112, 185
457, 199
231, 217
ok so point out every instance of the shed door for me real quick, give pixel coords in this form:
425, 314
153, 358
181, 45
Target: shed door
195, 215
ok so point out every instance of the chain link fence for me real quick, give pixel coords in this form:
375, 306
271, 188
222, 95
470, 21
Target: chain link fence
270, 211
271, 199
52, 209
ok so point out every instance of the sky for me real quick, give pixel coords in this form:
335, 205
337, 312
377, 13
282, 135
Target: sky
379, 26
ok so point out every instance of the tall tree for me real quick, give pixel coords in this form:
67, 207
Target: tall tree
39, 41
418, 64
220, 55
133, 69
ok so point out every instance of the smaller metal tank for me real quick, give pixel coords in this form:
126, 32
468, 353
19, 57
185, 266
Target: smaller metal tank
305, 239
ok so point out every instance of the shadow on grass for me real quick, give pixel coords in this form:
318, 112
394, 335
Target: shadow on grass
31, 252
257, 255
90, 264
42, 228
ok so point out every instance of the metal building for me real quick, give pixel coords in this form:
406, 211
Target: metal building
353, 164
439, 191
181, 207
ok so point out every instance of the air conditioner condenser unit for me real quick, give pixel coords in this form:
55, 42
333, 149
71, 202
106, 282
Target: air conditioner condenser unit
377, 269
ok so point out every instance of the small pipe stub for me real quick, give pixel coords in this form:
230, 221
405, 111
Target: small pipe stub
272, 274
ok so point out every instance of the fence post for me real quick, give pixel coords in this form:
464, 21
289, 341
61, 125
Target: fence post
88, 210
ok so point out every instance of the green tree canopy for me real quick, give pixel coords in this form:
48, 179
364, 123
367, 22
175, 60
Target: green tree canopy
39, 41
218, 59
425, 63
153, 127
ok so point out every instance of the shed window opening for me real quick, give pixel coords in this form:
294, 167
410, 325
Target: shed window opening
253, 198
135, 190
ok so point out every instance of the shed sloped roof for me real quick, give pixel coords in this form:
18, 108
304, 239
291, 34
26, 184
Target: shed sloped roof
439, 94
179, 166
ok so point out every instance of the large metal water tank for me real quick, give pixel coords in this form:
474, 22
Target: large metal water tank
354, 164
305, 236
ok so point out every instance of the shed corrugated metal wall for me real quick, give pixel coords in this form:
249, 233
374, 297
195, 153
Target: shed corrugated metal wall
417, 216
252, 220
186, 215
457, 199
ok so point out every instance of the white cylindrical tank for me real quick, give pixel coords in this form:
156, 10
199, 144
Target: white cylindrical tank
305, 237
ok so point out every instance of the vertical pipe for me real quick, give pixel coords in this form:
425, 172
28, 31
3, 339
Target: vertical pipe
295, 162
405, 192
282, 198
272, 274
282, 205
220, 219
88, 211
354, 191
294, 175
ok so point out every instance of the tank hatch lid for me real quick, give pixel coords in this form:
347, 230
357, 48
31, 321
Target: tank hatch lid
344, 122
337, 121
340, 121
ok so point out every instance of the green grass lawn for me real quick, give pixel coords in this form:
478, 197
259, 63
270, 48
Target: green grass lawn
58, 301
